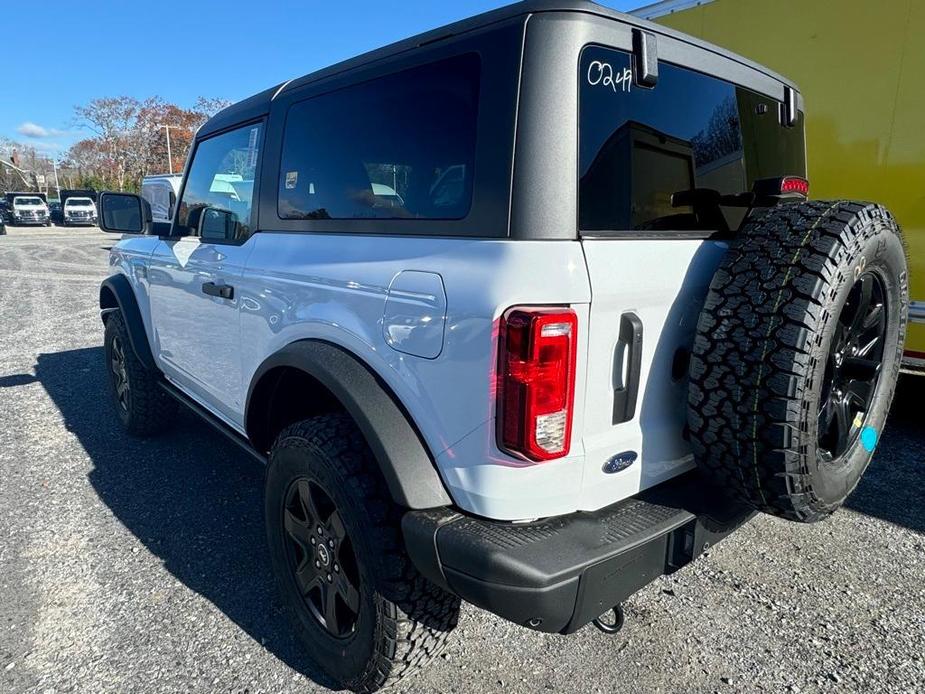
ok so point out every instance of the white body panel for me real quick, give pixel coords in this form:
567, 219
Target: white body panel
197, 338
334, 288
664, 283
291, 287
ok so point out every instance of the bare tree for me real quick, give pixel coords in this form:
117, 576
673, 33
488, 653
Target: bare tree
112, 120
24, 167
129, 138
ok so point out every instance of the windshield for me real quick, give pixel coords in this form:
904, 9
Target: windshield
27, 201
79, 202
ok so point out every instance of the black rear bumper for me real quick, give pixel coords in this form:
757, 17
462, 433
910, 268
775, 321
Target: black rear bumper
558, 574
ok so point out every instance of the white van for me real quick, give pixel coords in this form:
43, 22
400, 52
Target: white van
161, 192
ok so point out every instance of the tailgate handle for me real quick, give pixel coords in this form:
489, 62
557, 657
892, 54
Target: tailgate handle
627, 366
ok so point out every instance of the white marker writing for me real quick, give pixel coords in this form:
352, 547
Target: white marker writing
602, 73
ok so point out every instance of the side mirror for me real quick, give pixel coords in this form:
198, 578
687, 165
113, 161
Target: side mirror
214, 223
124, 213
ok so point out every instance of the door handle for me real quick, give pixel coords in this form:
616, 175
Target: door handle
627, 357
222, 291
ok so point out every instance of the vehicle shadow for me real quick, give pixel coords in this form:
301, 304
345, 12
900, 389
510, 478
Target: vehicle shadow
192, 497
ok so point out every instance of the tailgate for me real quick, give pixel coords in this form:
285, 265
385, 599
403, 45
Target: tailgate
646, 299
651, 260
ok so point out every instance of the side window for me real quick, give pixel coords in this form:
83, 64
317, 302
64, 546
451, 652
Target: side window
217, 200
399, 147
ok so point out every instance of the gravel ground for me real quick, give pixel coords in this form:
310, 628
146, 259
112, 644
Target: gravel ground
129, 566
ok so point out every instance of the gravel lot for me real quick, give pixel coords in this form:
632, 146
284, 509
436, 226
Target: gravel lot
129, 566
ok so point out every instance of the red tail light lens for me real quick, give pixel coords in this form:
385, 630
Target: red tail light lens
785, 185
536, 382
793, 184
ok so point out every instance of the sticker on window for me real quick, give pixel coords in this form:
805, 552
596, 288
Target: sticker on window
292, 179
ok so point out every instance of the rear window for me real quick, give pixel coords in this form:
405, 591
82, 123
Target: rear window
640, 146
399, 147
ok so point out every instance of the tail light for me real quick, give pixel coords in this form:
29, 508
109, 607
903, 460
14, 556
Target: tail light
784, 186
536, 382
794, 185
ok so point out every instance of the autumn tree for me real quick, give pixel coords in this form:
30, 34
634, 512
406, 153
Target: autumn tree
112, 120
129, 138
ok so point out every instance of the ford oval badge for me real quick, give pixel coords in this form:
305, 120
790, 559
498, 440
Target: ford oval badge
620, 462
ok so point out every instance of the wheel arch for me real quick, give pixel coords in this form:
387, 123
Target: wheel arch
116, 293
334, 378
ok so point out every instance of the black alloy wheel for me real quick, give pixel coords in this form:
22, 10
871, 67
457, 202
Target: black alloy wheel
854, 365
321, 557
120, 374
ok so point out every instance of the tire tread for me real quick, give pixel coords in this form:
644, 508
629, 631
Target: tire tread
416, 616
752, 362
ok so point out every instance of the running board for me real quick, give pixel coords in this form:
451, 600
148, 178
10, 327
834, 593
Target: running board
211, 419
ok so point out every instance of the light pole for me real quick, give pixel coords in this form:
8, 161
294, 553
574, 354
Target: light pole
54, 166
166, 127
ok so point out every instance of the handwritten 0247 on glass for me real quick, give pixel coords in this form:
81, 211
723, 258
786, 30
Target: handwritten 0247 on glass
601, 73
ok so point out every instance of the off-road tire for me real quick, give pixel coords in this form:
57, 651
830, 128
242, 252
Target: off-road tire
403, 619
149, 410
764, 341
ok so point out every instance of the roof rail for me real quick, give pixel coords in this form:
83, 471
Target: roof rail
660, 9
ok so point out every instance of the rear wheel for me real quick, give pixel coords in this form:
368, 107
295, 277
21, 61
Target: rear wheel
797, 353
362, 610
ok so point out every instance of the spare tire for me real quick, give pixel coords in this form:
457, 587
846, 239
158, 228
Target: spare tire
796, 355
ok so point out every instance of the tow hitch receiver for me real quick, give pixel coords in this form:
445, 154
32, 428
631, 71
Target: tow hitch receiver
613, 626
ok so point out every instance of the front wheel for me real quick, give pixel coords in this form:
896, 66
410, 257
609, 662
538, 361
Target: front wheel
141, 404
362, 610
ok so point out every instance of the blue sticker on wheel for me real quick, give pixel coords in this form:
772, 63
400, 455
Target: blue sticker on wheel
869, 439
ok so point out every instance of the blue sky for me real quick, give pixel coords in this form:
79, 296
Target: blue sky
74, 52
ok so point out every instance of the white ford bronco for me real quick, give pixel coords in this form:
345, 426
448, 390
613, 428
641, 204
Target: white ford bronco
525, 311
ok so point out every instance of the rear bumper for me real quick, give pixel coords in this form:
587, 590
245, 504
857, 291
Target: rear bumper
559, 574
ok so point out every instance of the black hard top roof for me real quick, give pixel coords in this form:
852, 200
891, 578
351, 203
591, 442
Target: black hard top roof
259, 104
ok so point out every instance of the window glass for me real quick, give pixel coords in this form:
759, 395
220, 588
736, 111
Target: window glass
217, 200
155, 192
640, 147
399, 147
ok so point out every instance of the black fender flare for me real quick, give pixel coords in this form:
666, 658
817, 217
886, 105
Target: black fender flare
403, 458
116, 293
